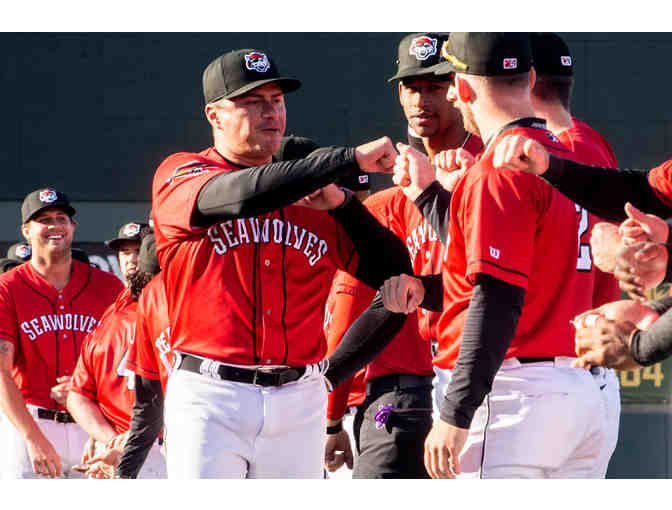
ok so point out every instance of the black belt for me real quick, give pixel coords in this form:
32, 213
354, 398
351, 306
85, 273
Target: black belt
57, 416
533, 360
259, 376
394, 382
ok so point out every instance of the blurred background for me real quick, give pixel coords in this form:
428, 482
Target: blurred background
93, 114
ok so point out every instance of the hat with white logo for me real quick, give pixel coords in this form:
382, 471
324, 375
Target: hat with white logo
44, 198
20, 252
550, 55
486, 53
128, 232
239, 71
417, 53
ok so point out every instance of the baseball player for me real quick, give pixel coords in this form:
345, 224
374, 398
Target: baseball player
512, 292
102, 393
6, 264
247, 274
47, 306
127, 247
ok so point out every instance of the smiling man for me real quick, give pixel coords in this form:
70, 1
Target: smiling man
47, 306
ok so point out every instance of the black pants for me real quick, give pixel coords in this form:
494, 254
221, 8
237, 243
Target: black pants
397, 449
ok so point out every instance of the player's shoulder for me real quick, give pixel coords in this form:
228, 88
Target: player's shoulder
188, 164
388, 199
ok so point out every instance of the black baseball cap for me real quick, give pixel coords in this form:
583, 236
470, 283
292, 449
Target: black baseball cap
486, 53
20, 252
418, 52
44, 198
128, 232
7, 264
550, 55
239, 71
148, 262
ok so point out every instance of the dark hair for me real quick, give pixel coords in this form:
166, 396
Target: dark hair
137, 281
554, 88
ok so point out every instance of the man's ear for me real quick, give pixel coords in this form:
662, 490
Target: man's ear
465, 91
211, 115
25, 230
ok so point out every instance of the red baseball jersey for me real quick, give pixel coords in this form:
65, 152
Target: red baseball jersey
517, 228
351, 392
590, 147
47, 326
150, 355
101, 372
474, 145
248, 291
660, 179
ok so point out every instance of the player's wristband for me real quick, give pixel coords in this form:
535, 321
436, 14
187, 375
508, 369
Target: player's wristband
349, 195
335, 429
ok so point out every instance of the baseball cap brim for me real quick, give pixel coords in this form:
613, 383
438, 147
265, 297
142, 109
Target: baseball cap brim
286, 84
409, 72
113, 244
444, 68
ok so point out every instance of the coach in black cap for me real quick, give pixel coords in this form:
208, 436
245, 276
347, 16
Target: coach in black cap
127, 246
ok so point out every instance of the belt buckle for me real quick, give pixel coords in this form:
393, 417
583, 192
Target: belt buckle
264, 372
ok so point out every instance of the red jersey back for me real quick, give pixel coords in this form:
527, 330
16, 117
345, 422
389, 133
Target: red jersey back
101, 372
590, 147
517, 228
248, 291
47, 326
150, 355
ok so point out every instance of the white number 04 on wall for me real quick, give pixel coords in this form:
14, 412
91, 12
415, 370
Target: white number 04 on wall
585, 261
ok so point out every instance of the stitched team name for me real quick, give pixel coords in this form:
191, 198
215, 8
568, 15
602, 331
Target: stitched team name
420, 235
230, 234
58, 322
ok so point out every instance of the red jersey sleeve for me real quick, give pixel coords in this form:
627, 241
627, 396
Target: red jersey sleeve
499, 215
83, 381
141, 359
8, 319
660, 179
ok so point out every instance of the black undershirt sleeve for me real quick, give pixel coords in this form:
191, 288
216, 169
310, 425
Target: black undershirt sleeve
490, 325
434, 204
604, 191
257, 190
363, 341
655, 344
433, 300
146, 424
381, 253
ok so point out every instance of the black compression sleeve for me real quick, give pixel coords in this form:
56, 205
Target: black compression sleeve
604, 191
655, 344
434, 204
490, 325
661, 305
363, 341
146, 424
433, 284
258, 190
381, 253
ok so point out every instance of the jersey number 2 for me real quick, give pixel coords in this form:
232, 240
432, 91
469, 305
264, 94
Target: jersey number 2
584, 261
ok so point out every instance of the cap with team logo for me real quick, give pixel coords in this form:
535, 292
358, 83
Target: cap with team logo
550, 55
20, 252
239, 71
128, 232
417, 53
486, 53
38, 200
148, 262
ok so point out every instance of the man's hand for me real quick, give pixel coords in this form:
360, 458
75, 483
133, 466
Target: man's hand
412, 171
443, 446
403, 293
640, 267
89, 450
605, 243
102, 465
327, 198
43, 456
337, 451
60, 392
604, 342
640, 227
516, 152
451, 166
376, 156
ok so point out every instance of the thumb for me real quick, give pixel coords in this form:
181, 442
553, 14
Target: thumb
403, 148
634, 213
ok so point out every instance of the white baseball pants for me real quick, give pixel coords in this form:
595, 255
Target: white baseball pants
225, 429
543, 420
